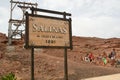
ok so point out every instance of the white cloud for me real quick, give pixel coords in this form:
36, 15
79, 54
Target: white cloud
98, 18
4, 19
102, 26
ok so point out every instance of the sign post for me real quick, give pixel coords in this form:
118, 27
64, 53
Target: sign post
65, 58
65, 65
48, 32
32, 63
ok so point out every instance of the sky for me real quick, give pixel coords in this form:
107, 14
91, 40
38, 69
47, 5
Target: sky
90, 18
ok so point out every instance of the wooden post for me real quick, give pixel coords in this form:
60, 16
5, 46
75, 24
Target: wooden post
65, 65
65, 57
32, 63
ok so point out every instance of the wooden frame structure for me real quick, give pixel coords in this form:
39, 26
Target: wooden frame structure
28, 44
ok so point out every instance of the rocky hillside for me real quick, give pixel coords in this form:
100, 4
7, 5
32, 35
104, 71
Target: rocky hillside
49, 63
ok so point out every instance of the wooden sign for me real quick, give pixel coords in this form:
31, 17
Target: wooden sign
44, 31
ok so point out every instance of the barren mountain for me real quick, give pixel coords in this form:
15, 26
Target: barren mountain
49, 63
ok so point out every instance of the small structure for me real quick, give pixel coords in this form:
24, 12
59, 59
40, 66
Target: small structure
16, 27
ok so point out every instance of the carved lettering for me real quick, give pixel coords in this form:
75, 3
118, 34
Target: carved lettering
52, 29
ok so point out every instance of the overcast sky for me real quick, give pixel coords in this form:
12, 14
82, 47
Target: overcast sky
90, 18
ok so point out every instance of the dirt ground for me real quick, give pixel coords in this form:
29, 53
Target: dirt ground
49, 63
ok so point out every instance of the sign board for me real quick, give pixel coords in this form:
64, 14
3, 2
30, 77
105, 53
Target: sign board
44, 31
48, 32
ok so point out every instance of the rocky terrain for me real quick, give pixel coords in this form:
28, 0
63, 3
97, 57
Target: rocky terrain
49, 63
